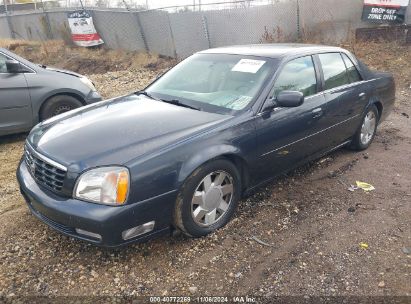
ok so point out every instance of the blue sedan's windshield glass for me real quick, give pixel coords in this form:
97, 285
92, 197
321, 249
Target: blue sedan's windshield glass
212, 81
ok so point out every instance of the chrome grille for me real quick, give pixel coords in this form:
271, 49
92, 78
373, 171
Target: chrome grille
46, 172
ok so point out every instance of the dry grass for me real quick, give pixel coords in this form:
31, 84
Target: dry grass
385, 56
84, 60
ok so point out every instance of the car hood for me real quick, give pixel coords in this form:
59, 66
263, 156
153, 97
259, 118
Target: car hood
113, 132
67, 72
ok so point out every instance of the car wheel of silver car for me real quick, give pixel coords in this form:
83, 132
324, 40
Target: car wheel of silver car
57, 105
208, 198
366, 132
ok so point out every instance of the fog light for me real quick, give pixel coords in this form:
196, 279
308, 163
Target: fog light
88, 233
138, 230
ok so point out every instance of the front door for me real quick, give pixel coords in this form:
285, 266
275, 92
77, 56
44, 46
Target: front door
15, 104
288, 136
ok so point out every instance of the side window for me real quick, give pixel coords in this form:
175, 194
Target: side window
297, 75
335, 74
353, 73
3, 67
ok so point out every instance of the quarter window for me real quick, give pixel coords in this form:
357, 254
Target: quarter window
335, 74
297, 75
353, 74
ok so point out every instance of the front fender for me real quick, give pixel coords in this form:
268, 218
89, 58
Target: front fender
203, 156
42, 97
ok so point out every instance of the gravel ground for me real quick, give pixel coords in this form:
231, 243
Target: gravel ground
304, 234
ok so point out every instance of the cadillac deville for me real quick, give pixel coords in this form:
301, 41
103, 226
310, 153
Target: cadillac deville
181, 153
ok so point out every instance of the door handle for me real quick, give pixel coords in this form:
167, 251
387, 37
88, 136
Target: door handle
317, 112
362, 95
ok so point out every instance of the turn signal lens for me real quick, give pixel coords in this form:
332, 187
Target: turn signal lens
122, 187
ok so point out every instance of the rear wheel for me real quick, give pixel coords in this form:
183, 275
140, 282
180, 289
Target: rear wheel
57, 105
208, 198
366, 133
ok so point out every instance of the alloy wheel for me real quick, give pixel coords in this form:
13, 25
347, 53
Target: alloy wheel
368, 128
212, 198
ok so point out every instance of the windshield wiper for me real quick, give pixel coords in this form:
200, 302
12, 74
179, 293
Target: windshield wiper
172, 101
145, 93
179, 103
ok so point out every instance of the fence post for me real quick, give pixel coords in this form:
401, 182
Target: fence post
8, 19
49, 33
137, 16
206, 32
298, 21
9, 23
172, 36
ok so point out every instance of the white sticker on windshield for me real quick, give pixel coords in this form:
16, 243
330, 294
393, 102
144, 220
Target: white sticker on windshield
248, 66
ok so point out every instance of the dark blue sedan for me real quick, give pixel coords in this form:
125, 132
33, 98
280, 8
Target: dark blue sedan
182, 153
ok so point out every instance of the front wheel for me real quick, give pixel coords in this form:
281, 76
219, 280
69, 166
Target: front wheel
57, 105
366, 133
208, 198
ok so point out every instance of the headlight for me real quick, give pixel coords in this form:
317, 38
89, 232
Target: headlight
88, 83
106, 185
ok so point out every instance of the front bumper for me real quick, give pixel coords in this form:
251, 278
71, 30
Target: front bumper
67, 214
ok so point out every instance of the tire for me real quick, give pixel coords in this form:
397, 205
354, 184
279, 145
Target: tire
57, 105
365, 135
217, 175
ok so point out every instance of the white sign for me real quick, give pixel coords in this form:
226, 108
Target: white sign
387, 2
385, 11
248, 66
82, 29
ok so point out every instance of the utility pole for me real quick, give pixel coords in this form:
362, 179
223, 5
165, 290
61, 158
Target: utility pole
12, 33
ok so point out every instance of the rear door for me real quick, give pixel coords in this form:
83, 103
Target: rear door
15, 103
343, 92
287, 136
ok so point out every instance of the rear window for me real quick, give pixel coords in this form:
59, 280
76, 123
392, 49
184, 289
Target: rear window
335, 73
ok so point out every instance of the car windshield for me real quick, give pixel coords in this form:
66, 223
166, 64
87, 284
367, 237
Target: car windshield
220, 83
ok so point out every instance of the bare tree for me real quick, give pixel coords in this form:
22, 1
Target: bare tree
101, 3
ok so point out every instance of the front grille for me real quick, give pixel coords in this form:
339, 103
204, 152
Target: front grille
44, 172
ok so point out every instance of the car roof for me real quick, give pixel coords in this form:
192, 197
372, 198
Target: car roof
275, 50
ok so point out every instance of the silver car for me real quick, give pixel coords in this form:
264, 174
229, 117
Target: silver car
30, 93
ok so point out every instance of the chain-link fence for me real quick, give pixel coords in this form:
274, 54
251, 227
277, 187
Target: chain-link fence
178, 31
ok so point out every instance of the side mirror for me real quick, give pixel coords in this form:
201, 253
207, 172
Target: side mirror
290, 99
13, 66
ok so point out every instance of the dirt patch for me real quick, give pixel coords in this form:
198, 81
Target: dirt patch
313, 227
85, 61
